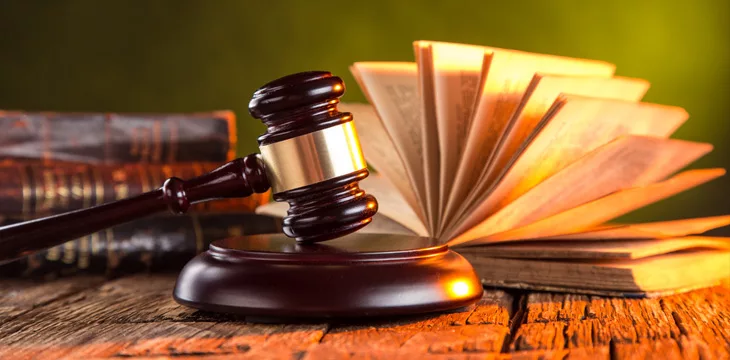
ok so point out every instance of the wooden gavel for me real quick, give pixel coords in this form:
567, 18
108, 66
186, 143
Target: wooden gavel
310, 157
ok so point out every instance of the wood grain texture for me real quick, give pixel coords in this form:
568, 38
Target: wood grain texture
684, 326
482, 328
20, 296
135, 318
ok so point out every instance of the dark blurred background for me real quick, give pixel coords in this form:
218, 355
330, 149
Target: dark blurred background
169, 56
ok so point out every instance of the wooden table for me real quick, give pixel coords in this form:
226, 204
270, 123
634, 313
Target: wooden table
135, 317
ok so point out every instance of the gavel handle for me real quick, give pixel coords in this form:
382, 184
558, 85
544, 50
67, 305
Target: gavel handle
238, 178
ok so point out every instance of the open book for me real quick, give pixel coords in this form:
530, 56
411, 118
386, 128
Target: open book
519, 161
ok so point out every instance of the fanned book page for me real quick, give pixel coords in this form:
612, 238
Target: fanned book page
520, 161
393, 89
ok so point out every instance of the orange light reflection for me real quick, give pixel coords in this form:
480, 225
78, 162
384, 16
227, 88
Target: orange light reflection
458, 288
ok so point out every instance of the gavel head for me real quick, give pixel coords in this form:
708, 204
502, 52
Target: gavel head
312, 156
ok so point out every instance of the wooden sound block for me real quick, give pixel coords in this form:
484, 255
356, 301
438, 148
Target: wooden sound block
358, 275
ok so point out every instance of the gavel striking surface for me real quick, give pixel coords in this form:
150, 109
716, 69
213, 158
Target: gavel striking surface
358, 275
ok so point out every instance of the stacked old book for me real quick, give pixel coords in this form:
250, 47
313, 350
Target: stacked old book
52, 163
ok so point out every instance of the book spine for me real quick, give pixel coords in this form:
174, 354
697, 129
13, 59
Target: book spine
31, 190
102, 138
154, 244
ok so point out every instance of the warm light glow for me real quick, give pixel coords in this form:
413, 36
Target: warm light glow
337, 87
371, 205
459, 288
353, 145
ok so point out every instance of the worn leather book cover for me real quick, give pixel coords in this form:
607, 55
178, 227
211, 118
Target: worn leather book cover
153, 244
105, 138
31, 190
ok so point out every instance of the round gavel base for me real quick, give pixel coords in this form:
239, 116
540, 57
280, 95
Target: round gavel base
359, 275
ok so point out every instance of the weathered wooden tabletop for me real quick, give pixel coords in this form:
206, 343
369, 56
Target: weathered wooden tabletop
135, 317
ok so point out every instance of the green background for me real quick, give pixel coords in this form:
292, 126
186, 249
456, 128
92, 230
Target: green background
202, 55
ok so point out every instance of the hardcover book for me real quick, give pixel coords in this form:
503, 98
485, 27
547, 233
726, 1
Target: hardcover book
157, 243
110, 138
32, 190
519, 161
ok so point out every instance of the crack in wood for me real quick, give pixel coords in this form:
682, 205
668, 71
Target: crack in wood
327, 328
519, 308
171, 350
612, 350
